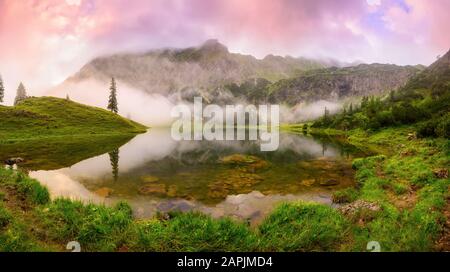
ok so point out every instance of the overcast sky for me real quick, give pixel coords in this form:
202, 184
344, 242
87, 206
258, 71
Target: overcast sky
44, 41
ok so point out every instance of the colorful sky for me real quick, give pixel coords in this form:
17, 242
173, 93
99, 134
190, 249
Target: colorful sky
44, 41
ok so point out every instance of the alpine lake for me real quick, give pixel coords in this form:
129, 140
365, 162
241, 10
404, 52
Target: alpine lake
154, 173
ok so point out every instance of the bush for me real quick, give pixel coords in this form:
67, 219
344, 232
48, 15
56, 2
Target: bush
443, 127
406, 113
427, 129
345, 196
5, 217
435, 128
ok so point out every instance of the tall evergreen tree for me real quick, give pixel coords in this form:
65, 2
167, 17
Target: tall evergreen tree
114, 159
2, 90
326, 113
21, 94
112, 103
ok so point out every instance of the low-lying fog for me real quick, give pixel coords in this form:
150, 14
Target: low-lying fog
154, 109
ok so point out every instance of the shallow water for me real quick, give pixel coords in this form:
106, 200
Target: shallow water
153, 173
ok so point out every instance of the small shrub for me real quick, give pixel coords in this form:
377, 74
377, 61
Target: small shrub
345, 196
399, 188
5, 217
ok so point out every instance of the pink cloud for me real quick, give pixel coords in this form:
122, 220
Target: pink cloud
43, 41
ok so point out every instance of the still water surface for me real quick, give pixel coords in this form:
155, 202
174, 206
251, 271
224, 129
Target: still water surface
152, 172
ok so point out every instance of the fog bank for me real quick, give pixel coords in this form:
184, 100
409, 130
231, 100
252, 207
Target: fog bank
154, 109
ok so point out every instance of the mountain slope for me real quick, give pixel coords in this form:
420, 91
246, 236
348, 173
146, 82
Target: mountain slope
424, 99
166, 71
219, 76
437, 73
337, 83
49, 116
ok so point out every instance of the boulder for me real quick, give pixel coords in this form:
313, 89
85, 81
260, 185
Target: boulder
150, 179
308, 182
329, 182
153, 189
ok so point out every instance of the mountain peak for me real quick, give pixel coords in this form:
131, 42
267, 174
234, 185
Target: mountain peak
213, 45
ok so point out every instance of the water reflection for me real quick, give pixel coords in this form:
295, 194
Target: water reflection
153, 172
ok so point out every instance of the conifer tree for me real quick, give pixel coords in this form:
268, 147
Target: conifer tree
114, 159
2, 90
21, 94
112, 103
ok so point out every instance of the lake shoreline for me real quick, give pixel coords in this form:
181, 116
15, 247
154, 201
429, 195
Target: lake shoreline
382, 182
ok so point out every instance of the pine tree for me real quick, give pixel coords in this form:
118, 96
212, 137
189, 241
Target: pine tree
350, 110
21, 94
2, 90
392, 96
114, 159
326, 113
112, 103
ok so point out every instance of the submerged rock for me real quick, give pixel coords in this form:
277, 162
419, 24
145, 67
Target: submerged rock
239, 159
150, 179
104, 192
172, 191
232, 182
308, 182
329, 182
153, 189
247, 162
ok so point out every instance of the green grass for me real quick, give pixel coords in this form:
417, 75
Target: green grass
303, 227
346, 195
30, 221
44, 117
385, 179
49, 225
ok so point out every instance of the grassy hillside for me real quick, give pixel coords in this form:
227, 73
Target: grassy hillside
410, 182
49, 116
423, 101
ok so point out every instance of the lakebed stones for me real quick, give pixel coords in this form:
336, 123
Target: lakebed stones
233, 182
104, 192
308, 182
149, 179
329, 182
153, 189
246, 163
172, 191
